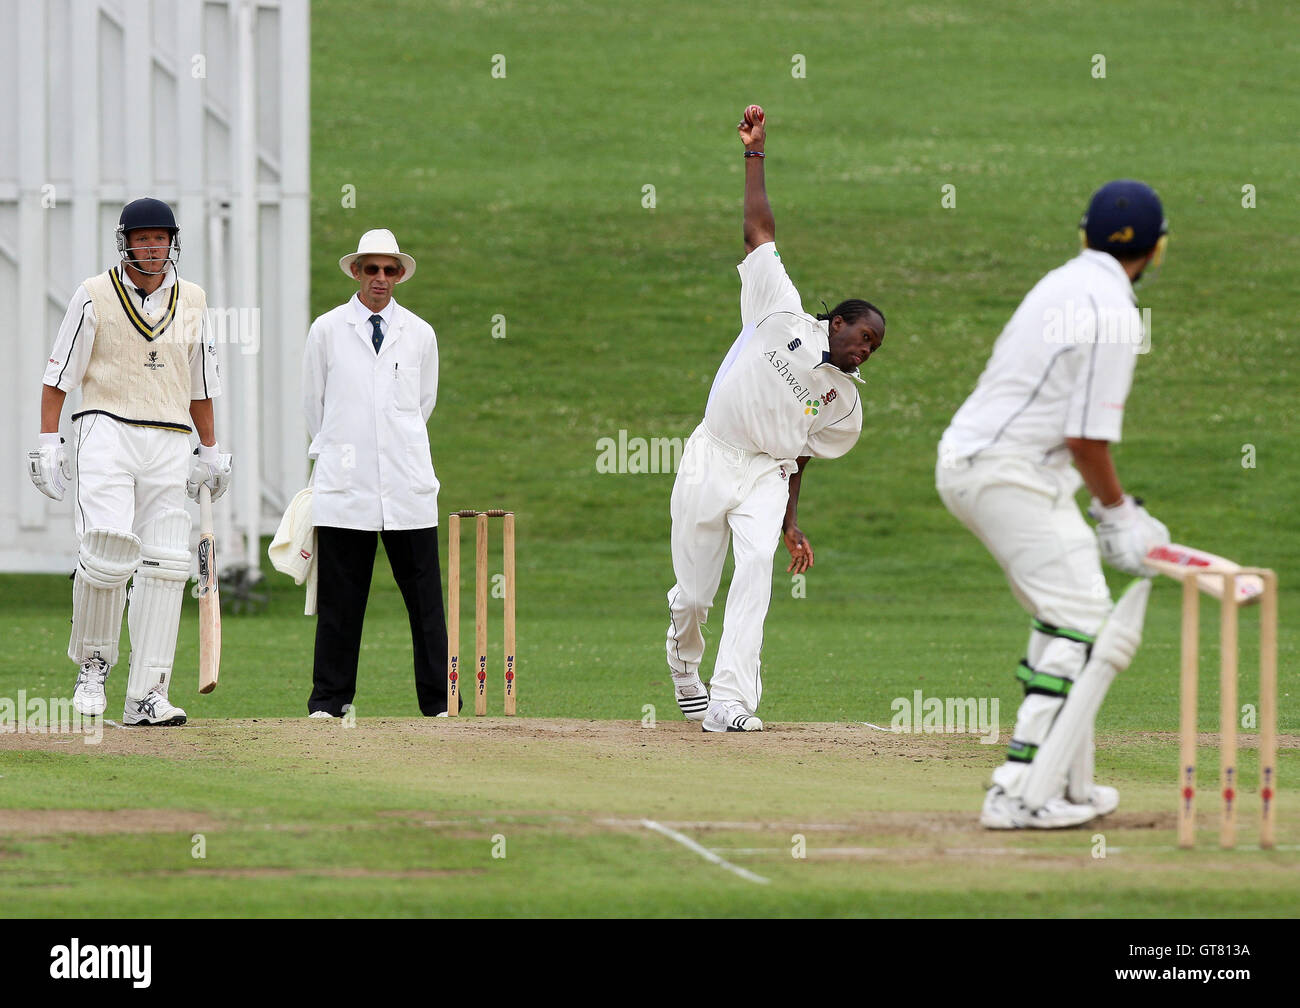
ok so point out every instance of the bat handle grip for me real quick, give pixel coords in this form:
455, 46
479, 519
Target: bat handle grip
205, 509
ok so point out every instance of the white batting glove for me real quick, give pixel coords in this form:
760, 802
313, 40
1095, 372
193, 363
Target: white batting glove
50, 467
211, 467
1126, 533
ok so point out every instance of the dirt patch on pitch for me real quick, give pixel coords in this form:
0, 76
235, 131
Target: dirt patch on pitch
111, 739
305, 738
1245, 740
47, 822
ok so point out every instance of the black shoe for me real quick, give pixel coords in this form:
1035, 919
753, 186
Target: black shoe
460, 706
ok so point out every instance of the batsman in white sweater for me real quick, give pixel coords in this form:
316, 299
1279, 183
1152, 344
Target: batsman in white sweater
136, 341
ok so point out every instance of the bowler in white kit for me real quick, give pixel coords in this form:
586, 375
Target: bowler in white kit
1039, 425
787, 391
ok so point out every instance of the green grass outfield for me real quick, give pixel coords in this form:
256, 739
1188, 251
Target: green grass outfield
523, 197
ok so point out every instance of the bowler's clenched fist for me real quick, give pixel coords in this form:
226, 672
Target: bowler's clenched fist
752, 129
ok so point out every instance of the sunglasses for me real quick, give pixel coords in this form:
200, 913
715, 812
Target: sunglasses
370, 269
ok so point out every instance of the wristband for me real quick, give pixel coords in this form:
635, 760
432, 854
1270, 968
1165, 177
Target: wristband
753, 153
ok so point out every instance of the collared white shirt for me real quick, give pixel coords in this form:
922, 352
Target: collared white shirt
776, 391
366, 414
386, 315
1061, 368
76, 338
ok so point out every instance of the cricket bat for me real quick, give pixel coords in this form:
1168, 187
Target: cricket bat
209, 597
1175, 559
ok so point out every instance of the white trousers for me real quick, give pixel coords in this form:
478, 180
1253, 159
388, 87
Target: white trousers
127, 475
723, 495
1026, 515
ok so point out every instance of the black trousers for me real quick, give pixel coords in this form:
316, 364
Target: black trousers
345, 561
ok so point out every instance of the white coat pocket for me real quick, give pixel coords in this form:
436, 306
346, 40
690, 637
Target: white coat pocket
335, 467
406, 391
419, 465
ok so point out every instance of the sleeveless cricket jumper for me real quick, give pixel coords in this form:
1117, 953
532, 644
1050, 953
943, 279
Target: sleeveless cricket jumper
138, 371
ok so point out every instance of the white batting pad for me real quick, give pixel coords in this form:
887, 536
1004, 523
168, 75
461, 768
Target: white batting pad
156, 596
104, 563
1079, 779
1114, 649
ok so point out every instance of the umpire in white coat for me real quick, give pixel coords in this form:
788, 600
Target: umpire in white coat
370, 381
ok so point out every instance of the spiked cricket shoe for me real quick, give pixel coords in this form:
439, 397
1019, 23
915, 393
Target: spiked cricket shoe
1103, 799
88, 697
1002, 811
724, 716
154, 711
692, 698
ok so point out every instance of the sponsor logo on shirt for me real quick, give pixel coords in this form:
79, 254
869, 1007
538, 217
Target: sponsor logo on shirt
810, 407
800, 392
829, 397
794, 344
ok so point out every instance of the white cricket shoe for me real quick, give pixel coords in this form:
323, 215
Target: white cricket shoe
1103, 799
88, 697
728, 716
327, 714
692, 698
1002, 811
154, 711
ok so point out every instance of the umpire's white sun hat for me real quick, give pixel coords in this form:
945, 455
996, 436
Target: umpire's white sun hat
380, 241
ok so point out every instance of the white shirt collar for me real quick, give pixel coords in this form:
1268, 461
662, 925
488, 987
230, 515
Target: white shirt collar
1107, 262
169, 280
360, 313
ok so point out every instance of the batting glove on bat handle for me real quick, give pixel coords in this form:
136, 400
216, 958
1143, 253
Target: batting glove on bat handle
1126, 533
212, 467
50, 467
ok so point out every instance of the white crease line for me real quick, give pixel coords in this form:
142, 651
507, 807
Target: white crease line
1205, 849
814, 853
704, 852
700, 824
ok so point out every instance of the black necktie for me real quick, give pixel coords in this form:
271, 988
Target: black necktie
377, 337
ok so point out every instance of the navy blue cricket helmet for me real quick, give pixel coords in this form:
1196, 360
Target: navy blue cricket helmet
1124, 218
151, 213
